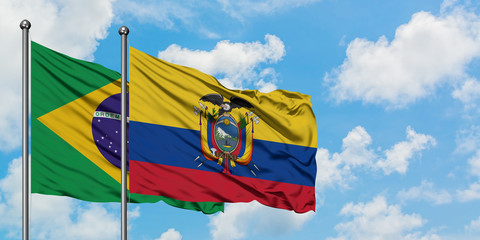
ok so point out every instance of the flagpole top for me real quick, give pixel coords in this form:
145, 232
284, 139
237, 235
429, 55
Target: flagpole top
25, 24
123, 30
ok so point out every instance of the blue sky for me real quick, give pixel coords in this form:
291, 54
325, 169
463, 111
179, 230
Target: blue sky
395, 89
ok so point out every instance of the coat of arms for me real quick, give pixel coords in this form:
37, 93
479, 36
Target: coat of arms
226, 131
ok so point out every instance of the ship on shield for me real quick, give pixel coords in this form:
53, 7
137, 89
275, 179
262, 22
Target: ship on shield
226, 129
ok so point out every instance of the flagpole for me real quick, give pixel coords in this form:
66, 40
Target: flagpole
25, 26
123, 31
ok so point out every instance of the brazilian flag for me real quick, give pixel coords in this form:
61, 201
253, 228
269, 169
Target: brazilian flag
75, 132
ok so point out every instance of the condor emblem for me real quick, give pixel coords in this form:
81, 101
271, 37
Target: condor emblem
226, 131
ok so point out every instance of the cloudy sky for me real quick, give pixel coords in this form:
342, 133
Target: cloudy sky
395, 88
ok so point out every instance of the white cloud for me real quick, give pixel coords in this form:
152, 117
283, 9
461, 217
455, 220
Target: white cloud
73, 221
170, 234
397, 157
267, 81
447, 5
378, 220
474, 226
171, 14
133, 213
426, 52
468, 93
420, 236
470, 194
11, 198
425, 192
473, 192
195, 15
240, 9
331, 171
241, 220
468, 140
237, 63
355, 150
163, 13
53, 217
10, 112
341, 43
71, 27
337, 168
266, 87
474, 163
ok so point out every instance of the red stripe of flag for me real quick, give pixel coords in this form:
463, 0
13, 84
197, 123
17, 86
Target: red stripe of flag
203, 186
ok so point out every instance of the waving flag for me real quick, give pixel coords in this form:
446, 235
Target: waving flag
76, 131
194, 140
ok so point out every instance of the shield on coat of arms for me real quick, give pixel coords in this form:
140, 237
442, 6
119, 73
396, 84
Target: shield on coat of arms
226, 133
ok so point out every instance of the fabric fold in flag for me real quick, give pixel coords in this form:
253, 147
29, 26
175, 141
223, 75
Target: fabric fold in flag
76, 131
194, 140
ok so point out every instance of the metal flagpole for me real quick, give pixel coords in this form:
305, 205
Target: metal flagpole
123, 31
25, 26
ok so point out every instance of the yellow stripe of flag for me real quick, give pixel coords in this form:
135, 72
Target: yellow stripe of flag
285, 117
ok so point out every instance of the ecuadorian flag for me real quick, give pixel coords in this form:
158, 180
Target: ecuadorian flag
76, 131
194, 140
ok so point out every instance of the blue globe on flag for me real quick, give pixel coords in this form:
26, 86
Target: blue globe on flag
106, 129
